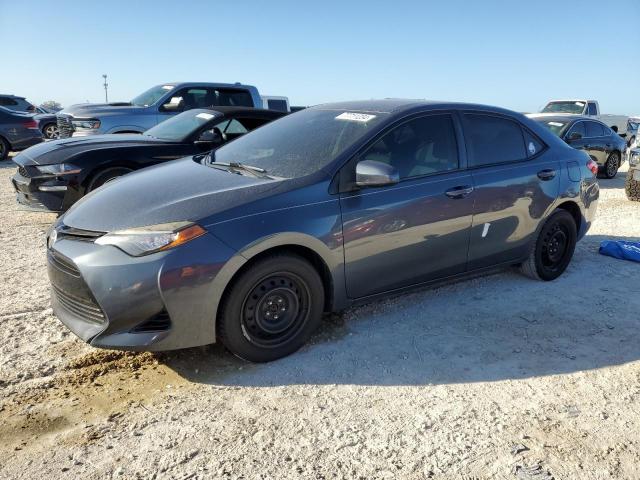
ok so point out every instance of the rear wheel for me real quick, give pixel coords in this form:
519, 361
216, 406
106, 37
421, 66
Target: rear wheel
272, 308
106, 176
632, 187
50, 131
4, 148
611, 166
553, 249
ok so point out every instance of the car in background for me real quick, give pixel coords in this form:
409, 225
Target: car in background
48, 123
152, 107
587, 108
603, 145
632, 131
246, 246
271, 102
632, 182
18, 130
54, 175
19, 104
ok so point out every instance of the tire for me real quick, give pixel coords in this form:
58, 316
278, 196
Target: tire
632, 187
4, 149
106, 176
271, 309
631, 140
611, 165
553, 249
50, 131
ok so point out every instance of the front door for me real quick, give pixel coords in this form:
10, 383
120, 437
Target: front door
418, 229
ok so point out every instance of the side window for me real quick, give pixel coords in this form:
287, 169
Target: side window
278, 105
533, 143
492, 139
594, 129
194, 97
592, 109
577, 128
418, 147
4, 101
235, 127
233, 98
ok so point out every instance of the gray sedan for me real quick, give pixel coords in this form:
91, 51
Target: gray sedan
328, 207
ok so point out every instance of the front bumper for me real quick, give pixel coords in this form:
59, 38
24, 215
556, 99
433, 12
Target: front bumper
41, 193
162, 301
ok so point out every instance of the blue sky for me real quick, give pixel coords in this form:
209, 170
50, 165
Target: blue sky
508, 53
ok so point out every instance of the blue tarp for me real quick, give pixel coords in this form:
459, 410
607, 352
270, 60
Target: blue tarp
621, 249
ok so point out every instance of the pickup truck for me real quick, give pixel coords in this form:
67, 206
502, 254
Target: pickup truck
587, 108
152, 107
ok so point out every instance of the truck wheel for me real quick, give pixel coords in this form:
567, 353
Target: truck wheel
50, 131
4, 149
106, 176
553, 249
632, 187
272, 308
611, 166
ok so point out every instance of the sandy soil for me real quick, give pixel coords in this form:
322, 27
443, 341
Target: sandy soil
495, 377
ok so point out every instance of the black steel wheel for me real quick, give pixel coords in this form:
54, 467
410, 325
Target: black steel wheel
4, 148
551, 253
272, 308
612, 164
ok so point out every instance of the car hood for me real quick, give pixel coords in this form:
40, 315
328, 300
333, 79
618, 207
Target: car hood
59, 151
86, 110
183, 190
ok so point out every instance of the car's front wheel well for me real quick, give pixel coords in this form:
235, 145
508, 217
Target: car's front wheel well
99, 170
126, 131
308, 254
575, 212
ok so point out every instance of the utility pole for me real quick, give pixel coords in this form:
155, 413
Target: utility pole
106, 95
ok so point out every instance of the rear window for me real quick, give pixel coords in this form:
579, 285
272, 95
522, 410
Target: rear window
233, 98
492, 140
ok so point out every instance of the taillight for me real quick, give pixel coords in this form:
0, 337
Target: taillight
593, 166
32, 124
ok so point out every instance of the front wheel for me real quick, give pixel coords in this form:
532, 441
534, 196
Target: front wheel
611, 166
107, 176
50, 131
272, 308
553, 249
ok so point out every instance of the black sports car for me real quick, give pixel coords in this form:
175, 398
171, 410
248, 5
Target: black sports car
54, 175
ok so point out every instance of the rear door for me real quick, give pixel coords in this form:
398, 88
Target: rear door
418, 229
516, 179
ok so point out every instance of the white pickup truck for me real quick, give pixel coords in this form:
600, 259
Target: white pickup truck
588, 108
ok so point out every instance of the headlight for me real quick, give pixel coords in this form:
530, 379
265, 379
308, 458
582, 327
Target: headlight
634, 159
145, 240
58, 169
87, 124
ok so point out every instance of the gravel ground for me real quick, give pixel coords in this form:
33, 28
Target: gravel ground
495, 377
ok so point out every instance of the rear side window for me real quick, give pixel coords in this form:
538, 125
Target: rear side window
278, 105
492, 140
592, 109
594, 129
534, 144
7, 102
233, 98
578, 128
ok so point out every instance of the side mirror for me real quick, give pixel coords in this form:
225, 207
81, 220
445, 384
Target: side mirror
211, 137
574, 136
176, 104
371, 173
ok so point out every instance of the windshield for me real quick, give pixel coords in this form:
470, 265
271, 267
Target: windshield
178, 128
301, 143
554, 125
576, 108
151, 96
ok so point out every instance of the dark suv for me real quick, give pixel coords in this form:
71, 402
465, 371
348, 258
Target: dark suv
321, 209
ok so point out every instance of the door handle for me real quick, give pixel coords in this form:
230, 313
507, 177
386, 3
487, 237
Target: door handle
460, 191
547, 174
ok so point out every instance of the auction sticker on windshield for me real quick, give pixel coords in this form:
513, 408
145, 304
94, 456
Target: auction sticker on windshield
205, 116
355, 117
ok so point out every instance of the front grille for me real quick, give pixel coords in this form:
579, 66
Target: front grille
157, 323
23, 171
63, 264
65, 127
82, 307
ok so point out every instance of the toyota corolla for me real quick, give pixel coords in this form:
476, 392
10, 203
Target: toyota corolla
328, 207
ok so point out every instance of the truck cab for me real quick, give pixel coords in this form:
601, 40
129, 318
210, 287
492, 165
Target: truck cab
152, 107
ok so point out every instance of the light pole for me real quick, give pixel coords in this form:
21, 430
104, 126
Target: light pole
106, 96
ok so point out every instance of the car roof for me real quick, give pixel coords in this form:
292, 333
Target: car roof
400, 105
11, 96
207, 84
559, 117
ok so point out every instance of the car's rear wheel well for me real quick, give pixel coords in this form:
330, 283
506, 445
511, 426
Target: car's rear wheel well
574, 210
312, 257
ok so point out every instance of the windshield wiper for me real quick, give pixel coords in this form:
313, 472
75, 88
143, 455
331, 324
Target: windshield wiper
237, 168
